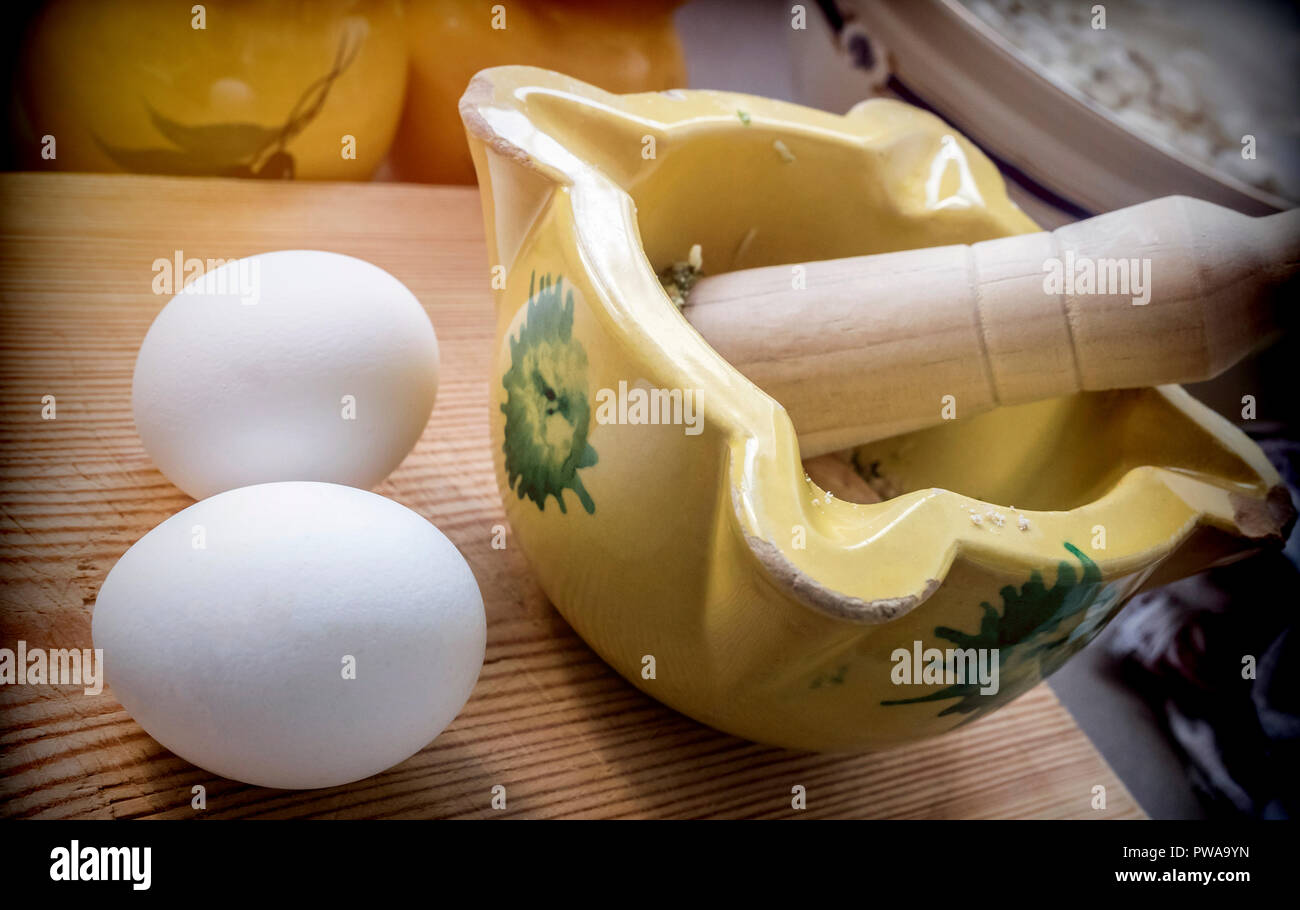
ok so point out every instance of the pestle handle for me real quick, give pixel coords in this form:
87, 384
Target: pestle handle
869, 347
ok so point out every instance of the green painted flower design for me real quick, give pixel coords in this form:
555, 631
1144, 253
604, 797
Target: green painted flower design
547, 409
1028, 634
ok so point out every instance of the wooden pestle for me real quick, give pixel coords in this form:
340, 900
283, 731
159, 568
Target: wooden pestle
868, 347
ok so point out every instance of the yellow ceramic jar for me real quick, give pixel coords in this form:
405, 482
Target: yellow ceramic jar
622, 47
255, 89
693, 554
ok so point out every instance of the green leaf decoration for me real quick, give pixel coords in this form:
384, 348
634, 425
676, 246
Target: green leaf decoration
1027, 632
547, 410
219, 144
167, 161
235, 149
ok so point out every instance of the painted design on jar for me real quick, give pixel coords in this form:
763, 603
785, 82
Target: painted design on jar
237, 149
1027, 635
547, 409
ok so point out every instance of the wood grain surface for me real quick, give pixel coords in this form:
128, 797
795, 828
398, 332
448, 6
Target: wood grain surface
548, 720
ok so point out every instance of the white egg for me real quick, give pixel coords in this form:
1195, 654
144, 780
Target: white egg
292, 635
295, 365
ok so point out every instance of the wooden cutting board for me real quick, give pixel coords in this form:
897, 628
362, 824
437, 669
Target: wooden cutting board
549, 721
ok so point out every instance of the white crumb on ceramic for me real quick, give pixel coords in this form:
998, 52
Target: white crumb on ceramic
996, 517
975, 518
783, 150
1023, 523
696, 257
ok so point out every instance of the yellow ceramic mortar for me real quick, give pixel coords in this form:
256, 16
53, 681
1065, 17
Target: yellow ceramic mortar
707, 568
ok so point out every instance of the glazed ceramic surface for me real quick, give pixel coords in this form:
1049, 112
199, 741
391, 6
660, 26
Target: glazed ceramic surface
622, 47
659, 495
265, 89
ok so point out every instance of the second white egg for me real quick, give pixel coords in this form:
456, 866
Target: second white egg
292, 635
